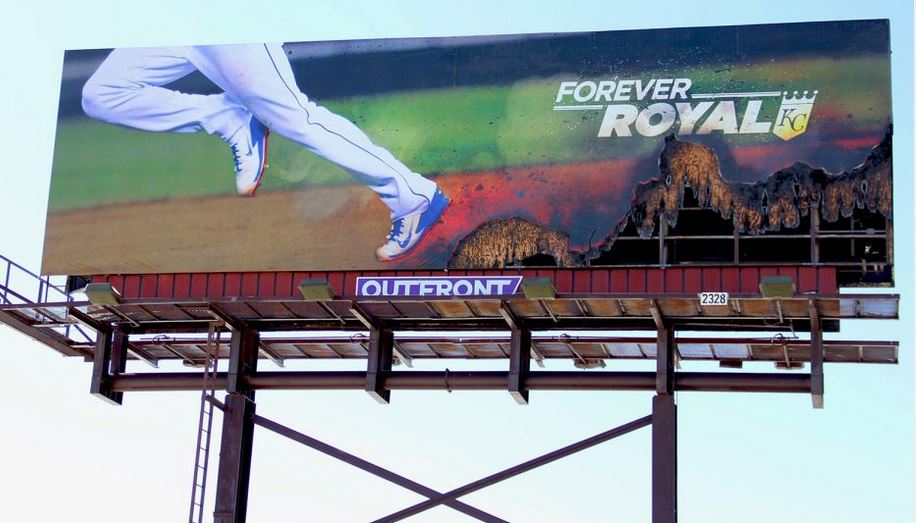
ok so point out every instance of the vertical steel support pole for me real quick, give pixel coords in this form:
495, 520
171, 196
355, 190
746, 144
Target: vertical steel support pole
381, 345
664, 427
519, 364
238, 431
110, 358
664, 459
817, 357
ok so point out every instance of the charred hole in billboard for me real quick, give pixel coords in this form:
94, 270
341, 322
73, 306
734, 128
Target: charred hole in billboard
707, 145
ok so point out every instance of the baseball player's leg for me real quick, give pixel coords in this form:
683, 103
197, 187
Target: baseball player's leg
126, 90
260, 78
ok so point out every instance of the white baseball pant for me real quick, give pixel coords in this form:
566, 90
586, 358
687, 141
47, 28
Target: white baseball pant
257, 80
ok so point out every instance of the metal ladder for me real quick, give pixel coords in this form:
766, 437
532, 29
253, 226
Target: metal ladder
205, 426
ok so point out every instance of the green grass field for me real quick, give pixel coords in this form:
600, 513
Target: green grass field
435, 131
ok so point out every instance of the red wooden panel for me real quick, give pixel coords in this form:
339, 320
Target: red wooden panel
284, 284
198, 285
768, 271
526, 273
674, 280
826, 280
807, 279
148, 285
562, 280
116, 281
791, 272
618, 280
233, 284
132, 286
712, 279
636, 280
655, 280
249, 284
297, 278
581, 282
336, 281
750, 278
601, 280
730, 280
267, 284
693, 280
165, 286
216, 284
182, 285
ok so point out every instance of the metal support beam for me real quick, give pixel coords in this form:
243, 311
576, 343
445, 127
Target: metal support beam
515, 323
234, 459
665, 352
381, 345
511, 472
371, 468
519, 364
664, 459
238, 429
243, 361
778, 382
817, 357
664, 424
110, 360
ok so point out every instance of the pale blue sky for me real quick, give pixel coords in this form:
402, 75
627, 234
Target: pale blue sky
748, 458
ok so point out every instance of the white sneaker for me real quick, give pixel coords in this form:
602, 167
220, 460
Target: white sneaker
407, 232
249, 152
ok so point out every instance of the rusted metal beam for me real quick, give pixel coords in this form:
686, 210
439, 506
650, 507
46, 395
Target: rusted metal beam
817, 357
371, 468
381, 344
231, 505
519, 364
109, 361
474, 380
516, 324
50, 338
664, 459
511, 472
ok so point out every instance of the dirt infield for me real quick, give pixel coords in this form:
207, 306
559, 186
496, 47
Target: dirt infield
269, 232
327, 228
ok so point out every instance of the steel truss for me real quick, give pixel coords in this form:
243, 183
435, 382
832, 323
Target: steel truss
113, 326
242, 380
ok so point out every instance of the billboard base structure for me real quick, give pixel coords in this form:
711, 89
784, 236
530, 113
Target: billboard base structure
394, 332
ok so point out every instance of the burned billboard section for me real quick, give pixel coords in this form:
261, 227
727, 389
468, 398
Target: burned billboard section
698, 215
780, 201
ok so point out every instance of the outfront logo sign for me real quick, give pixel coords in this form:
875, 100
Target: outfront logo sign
651, 107
437, 286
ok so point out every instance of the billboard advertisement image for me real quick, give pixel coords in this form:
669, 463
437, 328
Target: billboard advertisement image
460, 152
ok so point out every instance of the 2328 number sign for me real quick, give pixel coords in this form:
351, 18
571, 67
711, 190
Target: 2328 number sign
713, 298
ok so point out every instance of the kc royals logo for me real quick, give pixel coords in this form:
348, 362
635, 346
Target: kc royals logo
794, 113
654, 106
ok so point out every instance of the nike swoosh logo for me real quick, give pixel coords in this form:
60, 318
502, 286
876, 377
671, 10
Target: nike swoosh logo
406, 242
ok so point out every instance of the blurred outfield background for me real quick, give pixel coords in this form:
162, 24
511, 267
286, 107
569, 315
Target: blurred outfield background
480, 105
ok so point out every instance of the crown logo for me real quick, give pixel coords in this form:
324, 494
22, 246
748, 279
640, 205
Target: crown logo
794, 114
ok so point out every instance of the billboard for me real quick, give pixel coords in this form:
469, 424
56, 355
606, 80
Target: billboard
460, 152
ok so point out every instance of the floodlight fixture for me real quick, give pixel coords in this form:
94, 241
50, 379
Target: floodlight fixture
590, 363
777, 287
101, 294
538, 289
315, 290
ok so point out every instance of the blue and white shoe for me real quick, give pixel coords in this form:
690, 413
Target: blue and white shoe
249, 151
407, 232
